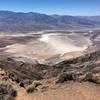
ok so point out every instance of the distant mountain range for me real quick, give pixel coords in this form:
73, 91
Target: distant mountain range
26, 22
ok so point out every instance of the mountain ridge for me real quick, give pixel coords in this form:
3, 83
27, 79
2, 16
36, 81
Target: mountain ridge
32, 21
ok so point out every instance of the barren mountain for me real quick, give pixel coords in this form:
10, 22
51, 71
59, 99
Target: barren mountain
27, 22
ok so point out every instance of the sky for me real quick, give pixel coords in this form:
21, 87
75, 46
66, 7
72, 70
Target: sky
61, 7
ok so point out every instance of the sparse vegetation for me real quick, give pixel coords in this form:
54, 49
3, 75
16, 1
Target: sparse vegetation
64, 77
31, 88
7, 92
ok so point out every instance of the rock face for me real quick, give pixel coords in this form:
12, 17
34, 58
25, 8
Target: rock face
84, 68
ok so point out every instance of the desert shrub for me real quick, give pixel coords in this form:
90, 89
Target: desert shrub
31, 88
64, 77
95, 78
36, 83
7, 92
21, 84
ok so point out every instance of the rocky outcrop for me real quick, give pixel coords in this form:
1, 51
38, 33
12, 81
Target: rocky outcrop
84, 68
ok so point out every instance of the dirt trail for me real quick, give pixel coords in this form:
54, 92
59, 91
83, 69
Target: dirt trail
68, 91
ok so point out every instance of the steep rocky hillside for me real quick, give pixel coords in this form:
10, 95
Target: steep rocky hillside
72, 69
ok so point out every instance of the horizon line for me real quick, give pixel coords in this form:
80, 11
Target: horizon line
46, 13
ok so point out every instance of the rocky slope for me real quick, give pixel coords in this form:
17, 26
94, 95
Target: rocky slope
81, 69
71, 69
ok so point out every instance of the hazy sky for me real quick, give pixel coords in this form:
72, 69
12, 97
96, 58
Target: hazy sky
62, 7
